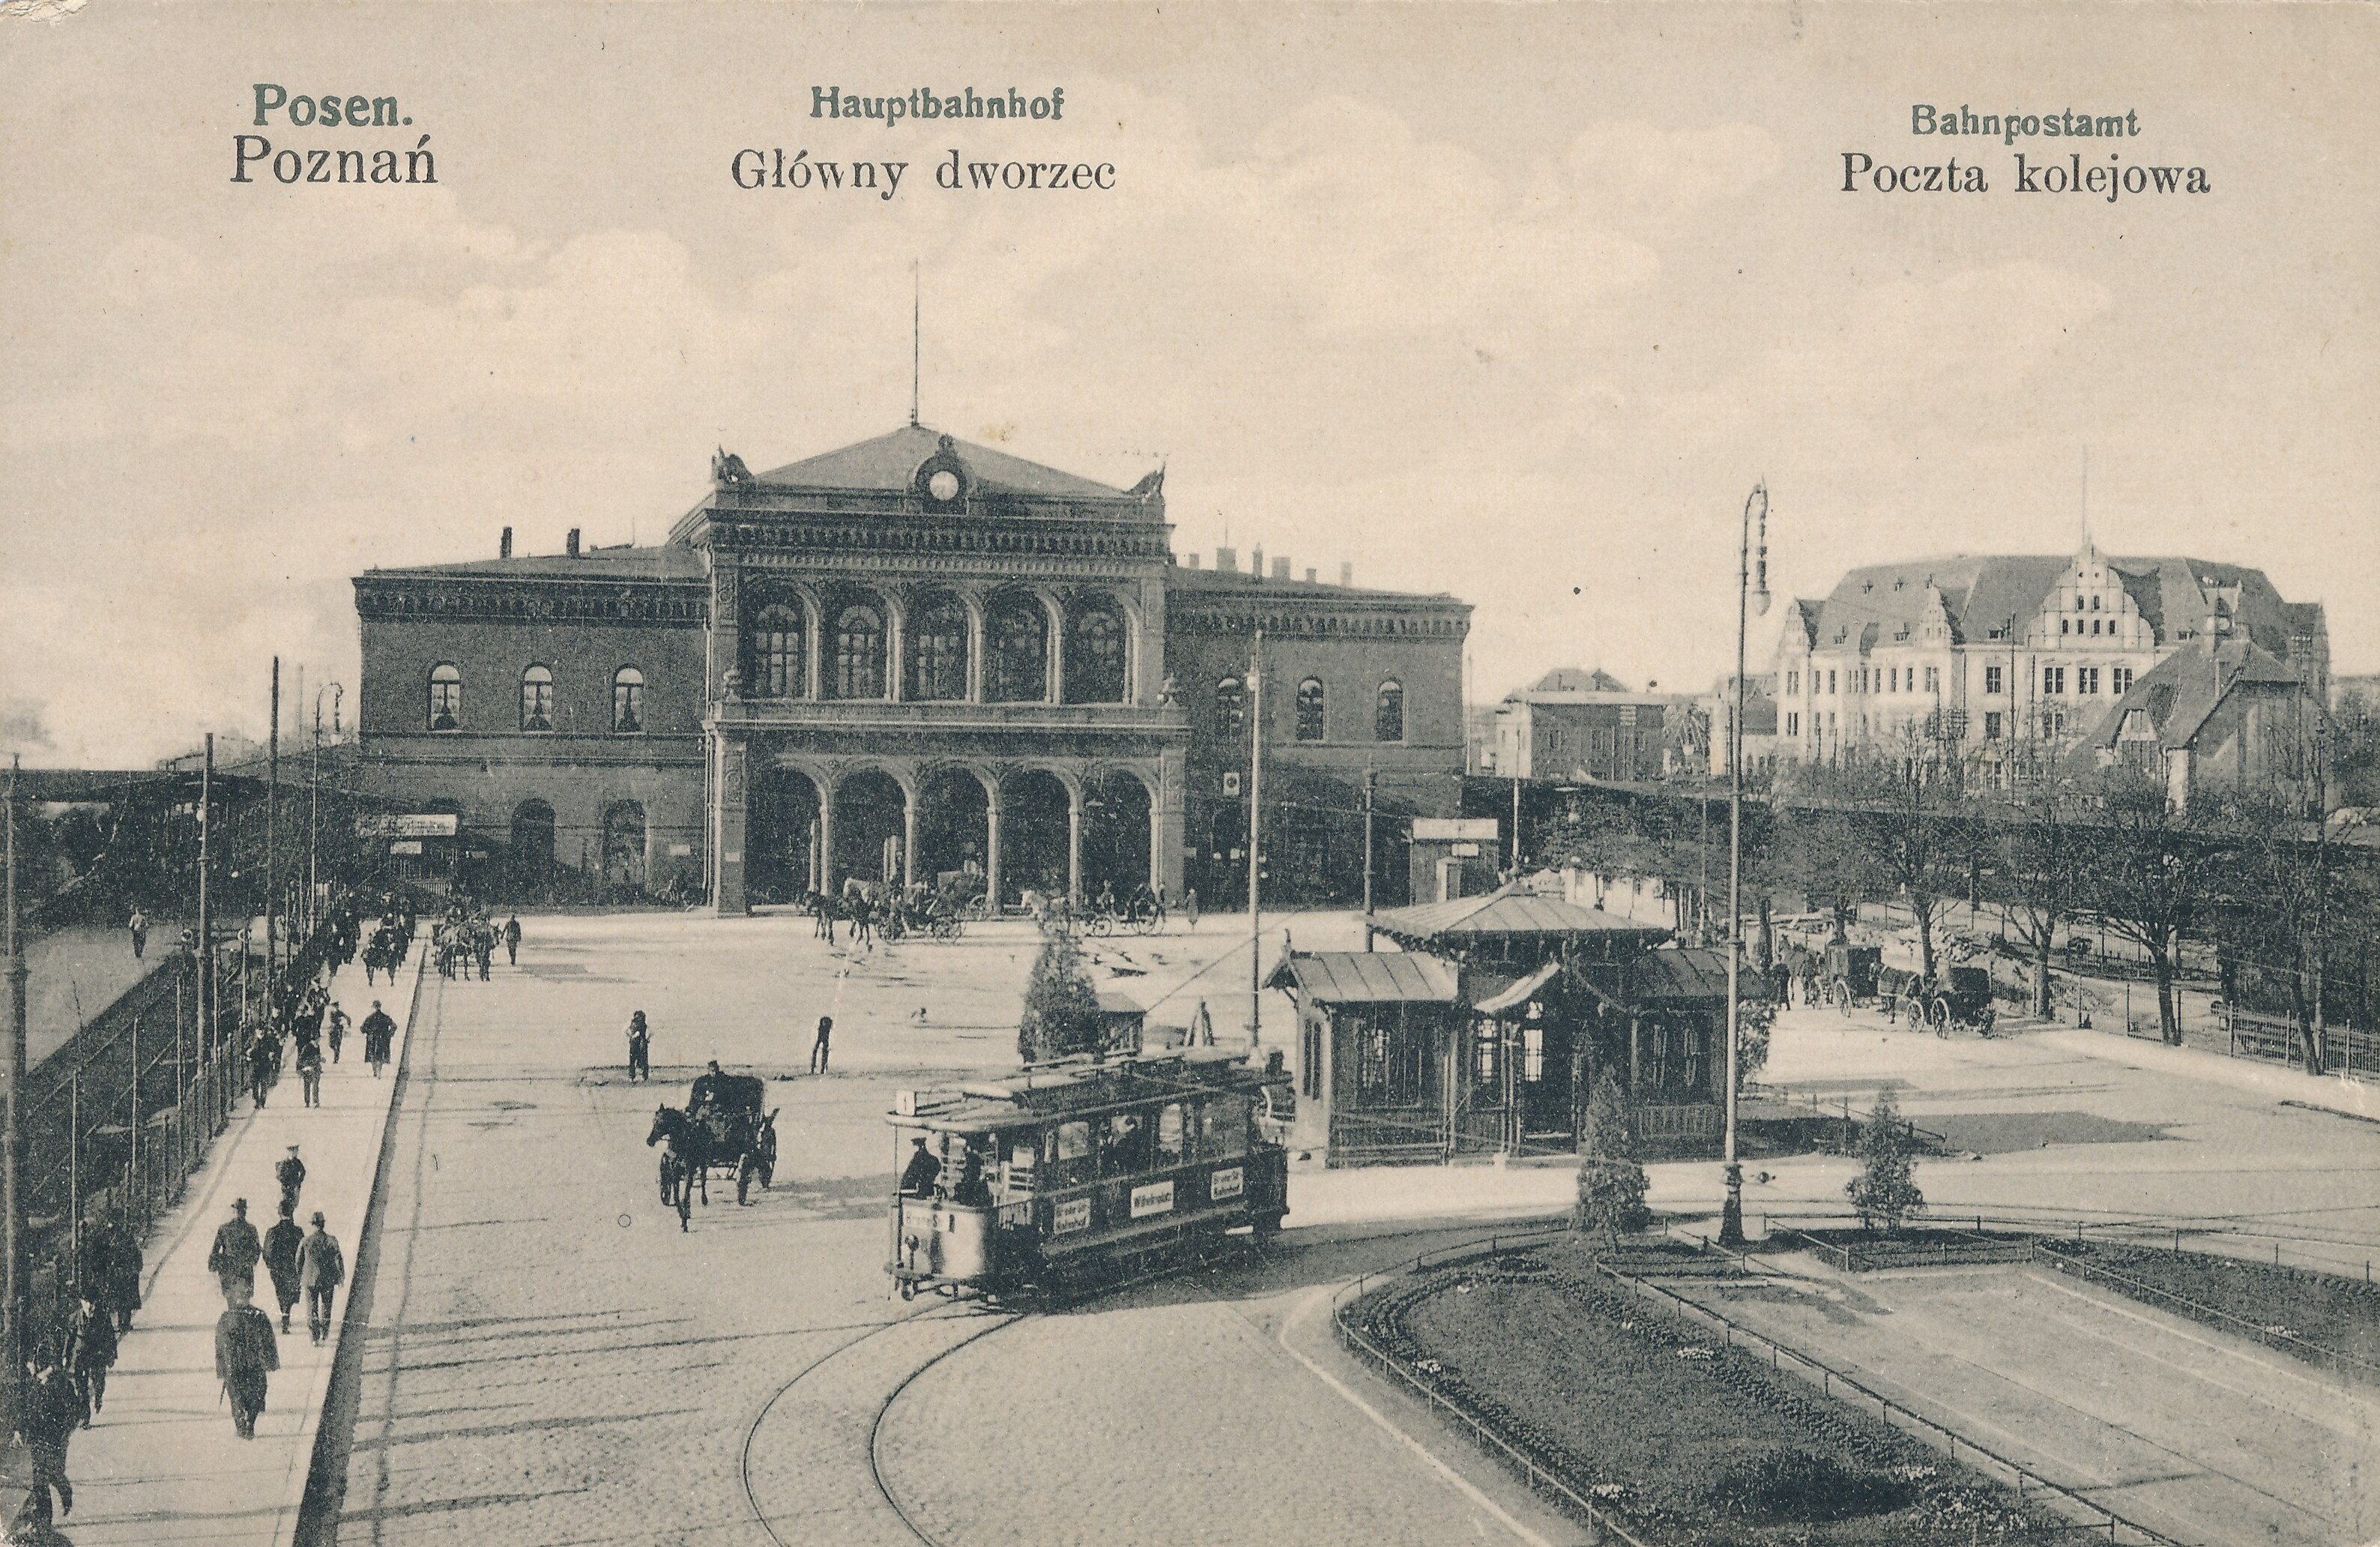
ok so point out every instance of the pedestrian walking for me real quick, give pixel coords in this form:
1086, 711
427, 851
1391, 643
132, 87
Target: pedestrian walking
245, 1354
512, 941
322, 1268
264, 1060
138, 925
338, 1029
90, 1352
291, 1175
234, 1256
819, 1048
120, 1265
281, 1244
379, 1032
49, 1411
309, 1071
1190, 907
640, 1049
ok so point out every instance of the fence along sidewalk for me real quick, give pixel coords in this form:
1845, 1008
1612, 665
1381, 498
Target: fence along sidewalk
163, 1463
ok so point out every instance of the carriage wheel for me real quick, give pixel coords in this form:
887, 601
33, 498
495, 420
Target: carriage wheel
745, 1172
1937, 1015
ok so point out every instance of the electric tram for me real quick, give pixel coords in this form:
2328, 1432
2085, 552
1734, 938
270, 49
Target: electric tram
1069, 1175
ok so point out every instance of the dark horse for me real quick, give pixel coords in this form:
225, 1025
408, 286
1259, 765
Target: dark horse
686, 1155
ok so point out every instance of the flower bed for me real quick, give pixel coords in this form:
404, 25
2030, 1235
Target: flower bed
1685, 1439
1911, 1246
2286, 1307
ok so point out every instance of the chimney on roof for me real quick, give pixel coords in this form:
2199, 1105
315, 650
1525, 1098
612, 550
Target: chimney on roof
1189, 561
1309, 576
504, 544
1281, 570
1227, 561
1255, 563
1346, 573
570, 543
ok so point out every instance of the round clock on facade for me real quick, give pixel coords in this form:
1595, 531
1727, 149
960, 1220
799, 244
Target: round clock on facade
943, 485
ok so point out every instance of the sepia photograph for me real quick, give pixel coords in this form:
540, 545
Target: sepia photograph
1114, 776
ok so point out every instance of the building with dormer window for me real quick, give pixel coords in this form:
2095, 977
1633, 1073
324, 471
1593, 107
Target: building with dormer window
2012, 658
911, 659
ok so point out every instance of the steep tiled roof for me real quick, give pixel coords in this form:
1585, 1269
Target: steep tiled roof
2183, 690
889, 462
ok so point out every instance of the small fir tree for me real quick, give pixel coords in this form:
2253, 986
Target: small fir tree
1610, 1182
1883, 1192
1062, 1009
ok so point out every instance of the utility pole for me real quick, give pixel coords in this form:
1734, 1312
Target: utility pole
272, 837
12, 1162
1516, 824
1731, 1223
1256, 841
1371, 782
314, 814
207, 1009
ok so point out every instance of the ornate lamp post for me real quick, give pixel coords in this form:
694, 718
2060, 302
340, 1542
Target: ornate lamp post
1755, 509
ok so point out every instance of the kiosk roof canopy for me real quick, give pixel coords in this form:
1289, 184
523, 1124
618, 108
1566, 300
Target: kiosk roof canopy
1508, 912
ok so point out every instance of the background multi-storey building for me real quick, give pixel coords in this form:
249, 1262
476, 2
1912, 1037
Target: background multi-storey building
909, 659
2012, 657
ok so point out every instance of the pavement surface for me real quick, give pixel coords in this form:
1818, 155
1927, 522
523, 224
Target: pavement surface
544, 1357
2188, 1432
163, 1464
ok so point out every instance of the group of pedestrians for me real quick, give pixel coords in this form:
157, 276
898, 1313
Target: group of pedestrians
301, 1263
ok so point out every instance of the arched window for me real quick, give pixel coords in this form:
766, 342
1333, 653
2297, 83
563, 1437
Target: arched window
627, 700
778, 668
1389, 715
859, 652
1017, 636
937, 651
1232, 706
537, 700
1095, 657
1309, 710
446, 697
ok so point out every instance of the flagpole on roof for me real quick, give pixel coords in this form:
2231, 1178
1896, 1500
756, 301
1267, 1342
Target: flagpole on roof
916, 337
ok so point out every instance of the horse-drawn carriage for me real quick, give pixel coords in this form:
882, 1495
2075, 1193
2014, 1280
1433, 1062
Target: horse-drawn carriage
1960, 996
722, 1129
1850, 975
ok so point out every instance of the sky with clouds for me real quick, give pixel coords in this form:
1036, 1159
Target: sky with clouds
1514, 302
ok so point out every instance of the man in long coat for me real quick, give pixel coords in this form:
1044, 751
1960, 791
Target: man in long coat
51, 1410
380, 1032
281, 1244
246, 1352
234, 1256
322, 1268
90, 1352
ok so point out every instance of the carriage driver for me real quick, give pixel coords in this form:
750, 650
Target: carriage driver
705, 1094
917, 1177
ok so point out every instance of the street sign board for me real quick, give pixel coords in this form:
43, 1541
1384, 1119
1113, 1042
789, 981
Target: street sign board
1454, 830
424, 825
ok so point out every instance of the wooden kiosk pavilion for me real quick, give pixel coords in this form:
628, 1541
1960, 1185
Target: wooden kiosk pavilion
1485, 1032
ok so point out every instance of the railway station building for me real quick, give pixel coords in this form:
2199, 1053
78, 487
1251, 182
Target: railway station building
908, 659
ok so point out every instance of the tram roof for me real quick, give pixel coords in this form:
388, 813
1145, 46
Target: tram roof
1074, 1087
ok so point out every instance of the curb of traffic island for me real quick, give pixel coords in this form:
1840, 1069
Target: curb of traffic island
335, 1377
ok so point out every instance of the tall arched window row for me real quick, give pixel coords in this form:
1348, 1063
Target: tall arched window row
937, 651
446, 697
1095, 653
1017, 664
537, 699
859, 652
1389, 715
778, 670
1309, 710
627, 700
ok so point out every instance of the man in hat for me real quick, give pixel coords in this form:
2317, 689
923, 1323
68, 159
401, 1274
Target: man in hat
380, 1033
281, 1244
49, 1410
291, 1175
918, 1177
234, 1256
821, 1047
90, 1352
512, 941
640, 1048
246, 1352
120, 1268
322, 1268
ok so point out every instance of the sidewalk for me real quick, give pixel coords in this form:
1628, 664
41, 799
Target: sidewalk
2330, 1093
163, 1464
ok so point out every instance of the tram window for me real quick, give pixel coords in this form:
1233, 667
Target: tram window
1169, 1133
1223, 1128
1074, 1163
1128, 1143
1023, 1160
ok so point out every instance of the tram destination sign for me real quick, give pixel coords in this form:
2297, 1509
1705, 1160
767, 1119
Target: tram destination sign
1228, 1181
1153, 1197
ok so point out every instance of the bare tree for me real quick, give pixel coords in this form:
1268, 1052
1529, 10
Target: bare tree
2154, 874
1900, 824
2044, 853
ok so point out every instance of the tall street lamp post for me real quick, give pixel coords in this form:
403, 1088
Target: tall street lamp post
1755, 509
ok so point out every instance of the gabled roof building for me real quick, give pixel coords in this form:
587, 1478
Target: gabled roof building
2013, 657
